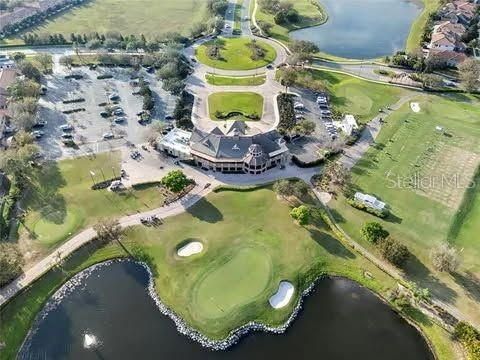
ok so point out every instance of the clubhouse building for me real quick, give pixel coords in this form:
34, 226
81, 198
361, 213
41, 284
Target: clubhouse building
232, 151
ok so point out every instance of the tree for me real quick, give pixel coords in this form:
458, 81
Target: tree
469, 74
11, 262
288, 188
24, 88
45, 60
335, 177
393, 251
305, 128
445, 258
66, 61
30, 71
431, 81
303, 46
373, 232
283, 188
108, 230
301, 214
175, 181
288, 77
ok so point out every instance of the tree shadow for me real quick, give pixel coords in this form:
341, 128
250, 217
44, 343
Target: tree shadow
44, 196
392, 218
204, 210
470, 283
416, 271
331, 245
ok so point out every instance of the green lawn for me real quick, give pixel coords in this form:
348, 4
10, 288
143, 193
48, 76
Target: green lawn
127, 17
413, 166
246, 254
354, 96
415, 37
235, 54
235, 81
62, 202
241, 106
310, 15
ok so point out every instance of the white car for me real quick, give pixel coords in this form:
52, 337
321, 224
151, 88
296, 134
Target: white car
66, 127
298, 105
107, 136
227, 26
37, 134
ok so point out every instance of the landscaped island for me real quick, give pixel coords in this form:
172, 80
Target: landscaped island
239, 53
244, 106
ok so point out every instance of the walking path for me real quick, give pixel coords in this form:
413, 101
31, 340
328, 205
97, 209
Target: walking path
87, 235
355, 152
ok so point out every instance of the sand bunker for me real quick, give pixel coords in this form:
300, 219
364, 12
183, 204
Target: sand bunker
415, 107
189, 249
283, 296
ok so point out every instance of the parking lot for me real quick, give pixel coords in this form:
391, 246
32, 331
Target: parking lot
89, 95
308, 148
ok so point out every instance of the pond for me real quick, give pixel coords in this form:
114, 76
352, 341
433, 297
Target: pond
363, 29
340, 320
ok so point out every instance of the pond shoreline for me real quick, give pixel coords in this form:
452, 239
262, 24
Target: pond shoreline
185, 329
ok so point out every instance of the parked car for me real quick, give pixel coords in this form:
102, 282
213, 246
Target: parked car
40, 123
37, 134
104, 114
114, 97
120, 119
118, 112
107, 136
67, 136
66, 127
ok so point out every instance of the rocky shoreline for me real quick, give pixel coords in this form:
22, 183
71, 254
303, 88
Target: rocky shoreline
236, 334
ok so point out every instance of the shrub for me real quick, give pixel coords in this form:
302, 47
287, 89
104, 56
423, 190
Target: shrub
301, 214
393, 251
445, 258
11, 262
374, 232
469, 337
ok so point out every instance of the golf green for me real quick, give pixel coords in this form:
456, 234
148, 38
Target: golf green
240, 280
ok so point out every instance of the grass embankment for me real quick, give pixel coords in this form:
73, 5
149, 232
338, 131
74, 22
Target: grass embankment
17, 316
123, 16
236, 54
62, 203
236, 228
235, 80
354, 96
414, 39
311, 14
423, 174
244, 106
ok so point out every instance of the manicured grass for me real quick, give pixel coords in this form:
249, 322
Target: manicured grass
415, 37
62, 202
354, 96
245, 103
235, 81
127, 18
407, 150
250, 245
232, 233
310, 15
235, 54
211, 299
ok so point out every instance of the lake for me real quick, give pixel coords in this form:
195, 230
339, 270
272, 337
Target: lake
363, 29
340, 320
